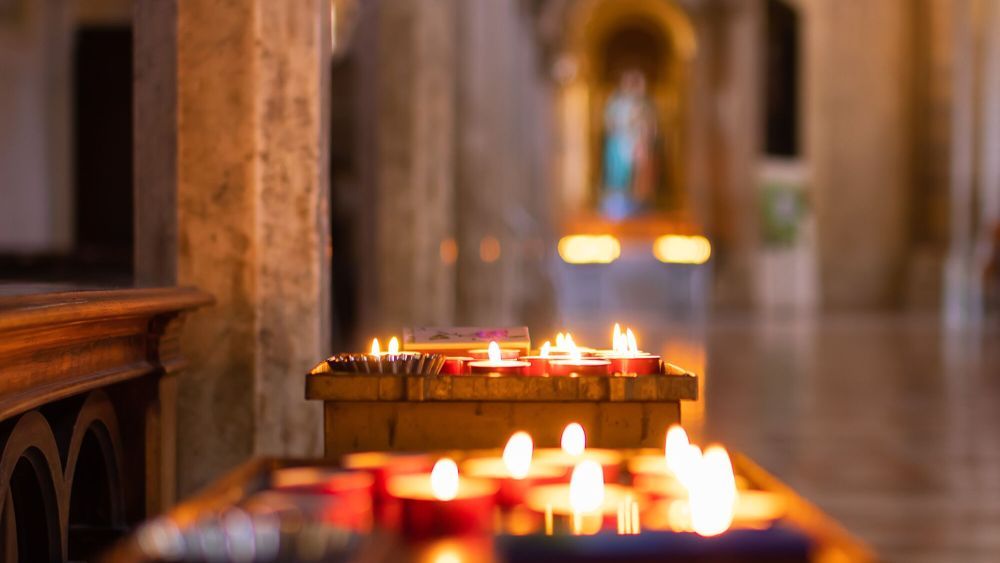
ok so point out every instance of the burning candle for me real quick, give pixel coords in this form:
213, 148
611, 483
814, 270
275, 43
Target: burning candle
576, 364
625, 356
383, 466
505, 353
585, 505
656, 474
539, 363
573, 450
513, 471
496, 363
443, 503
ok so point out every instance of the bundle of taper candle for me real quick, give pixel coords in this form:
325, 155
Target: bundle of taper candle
672, 497
564, 358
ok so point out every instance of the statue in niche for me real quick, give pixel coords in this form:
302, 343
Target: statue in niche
629, 172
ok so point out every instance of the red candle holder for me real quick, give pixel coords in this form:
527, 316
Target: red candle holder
344, 497
423, 516
634, 364
456, 365
503, 367
609, 460
584, 366
511, 491
383, 466
539, 365
505, 353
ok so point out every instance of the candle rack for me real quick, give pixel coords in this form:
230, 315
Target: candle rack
400, 412
215, 522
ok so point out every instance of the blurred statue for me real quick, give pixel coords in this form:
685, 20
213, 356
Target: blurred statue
628, 153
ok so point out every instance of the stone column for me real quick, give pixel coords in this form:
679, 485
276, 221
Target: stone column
503, 186
414, 152
231, 195
858, 72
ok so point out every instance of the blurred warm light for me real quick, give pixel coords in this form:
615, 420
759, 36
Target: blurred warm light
546, 348
444, 479
676, 447
376, 349
624, 343
393, 345
680, 249
589, 249
687, 465
448, 250
712, 493
628, 517
493, 352
517, 455
489, 249
616, 337
560, 341
631, 343
586, 487
333, 26
574, 439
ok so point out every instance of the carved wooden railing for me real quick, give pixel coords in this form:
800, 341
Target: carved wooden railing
86, 404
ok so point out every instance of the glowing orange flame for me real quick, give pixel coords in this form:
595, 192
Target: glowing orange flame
494, 352
586, 487
517, 455
444, 479
546, 349
376, 349
712, 493
393, 346
574, 439
676, 447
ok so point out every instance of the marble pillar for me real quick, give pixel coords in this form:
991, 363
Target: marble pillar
858, 114
231, 195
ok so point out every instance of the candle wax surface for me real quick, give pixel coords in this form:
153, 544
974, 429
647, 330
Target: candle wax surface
418, 487
556, 497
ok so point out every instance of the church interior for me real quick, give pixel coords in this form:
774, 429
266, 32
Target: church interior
269, 269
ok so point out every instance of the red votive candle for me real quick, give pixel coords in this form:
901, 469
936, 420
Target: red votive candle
584, 366
505, 353
511, 491
466, 509
346, 496
634, 364
539, 365
383, 466
505, 367
609, 460
456, 365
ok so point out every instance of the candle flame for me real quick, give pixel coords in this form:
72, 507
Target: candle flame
546, 348
586, 487
676, 447
574, 439
444, 479
376, 349
616, 336
633, 347
560, 341
393, 346
712, 493
517, 455
494, 352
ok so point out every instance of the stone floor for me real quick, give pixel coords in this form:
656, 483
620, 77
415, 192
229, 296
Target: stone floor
890, 424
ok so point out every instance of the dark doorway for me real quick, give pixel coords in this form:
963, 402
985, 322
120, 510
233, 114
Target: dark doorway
103, 146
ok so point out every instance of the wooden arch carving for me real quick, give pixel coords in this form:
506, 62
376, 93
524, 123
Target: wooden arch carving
29, 456
95, 510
